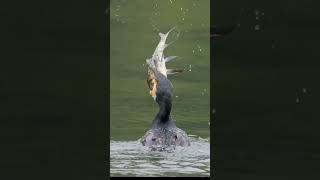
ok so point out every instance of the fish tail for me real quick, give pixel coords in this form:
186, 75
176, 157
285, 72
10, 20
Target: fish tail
165, 35
174, 71
167, 59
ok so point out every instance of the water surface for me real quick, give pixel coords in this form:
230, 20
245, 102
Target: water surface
131, 159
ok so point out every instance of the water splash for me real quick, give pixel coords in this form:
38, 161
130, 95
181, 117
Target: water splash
154, 18
133, 159
199, 47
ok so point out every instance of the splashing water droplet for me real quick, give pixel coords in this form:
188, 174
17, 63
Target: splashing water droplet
190, 67
297, 100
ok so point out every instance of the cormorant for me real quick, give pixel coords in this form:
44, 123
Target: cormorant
163, 133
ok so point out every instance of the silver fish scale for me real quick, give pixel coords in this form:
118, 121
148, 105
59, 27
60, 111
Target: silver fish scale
157, 62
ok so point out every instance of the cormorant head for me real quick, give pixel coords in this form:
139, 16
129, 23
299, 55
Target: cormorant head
152, 83
160, 87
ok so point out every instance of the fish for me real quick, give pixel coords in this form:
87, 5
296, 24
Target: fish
157, 63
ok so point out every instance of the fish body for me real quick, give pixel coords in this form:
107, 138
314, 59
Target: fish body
158, 62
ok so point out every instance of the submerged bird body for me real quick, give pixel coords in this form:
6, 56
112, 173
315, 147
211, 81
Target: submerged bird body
163, 133
161, 139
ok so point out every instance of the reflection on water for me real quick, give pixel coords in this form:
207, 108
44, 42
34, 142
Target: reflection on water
130, 158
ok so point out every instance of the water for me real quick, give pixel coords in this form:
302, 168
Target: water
131, 159
134, 28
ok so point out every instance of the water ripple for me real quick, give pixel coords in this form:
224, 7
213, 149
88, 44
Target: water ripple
132, 159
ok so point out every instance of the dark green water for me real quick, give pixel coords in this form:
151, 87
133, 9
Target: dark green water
134, 29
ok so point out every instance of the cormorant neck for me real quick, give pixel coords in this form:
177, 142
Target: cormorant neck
163, 117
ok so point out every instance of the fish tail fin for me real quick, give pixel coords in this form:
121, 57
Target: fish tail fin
166, 35
174, 71
166, 45
171, 29
167, 59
